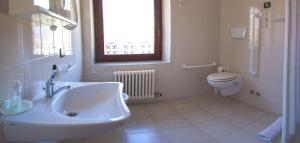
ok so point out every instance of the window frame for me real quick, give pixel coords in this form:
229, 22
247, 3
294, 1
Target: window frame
99, 37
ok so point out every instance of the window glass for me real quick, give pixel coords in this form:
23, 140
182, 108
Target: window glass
128, 27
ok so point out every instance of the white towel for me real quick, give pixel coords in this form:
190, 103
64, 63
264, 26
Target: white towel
271, 132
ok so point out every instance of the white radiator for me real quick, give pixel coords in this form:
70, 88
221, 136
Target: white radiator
138, 84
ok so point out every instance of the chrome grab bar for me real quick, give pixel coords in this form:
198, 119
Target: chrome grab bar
199, 66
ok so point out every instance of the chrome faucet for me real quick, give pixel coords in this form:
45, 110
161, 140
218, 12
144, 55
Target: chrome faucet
50, 92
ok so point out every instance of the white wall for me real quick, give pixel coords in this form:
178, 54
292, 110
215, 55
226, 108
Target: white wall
194, 40
234, 54
18, 61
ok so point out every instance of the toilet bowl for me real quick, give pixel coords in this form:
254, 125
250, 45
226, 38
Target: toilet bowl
225, 83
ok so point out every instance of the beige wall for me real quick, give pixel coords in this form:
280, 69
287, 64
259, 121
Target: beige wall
19, 62
235, 54
194, 40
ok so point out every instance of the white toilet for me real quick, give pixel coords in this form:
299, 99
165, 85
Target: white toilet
226, 83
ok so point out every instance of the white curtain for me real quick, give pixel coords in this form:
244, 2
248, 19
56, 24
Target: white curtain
291, 94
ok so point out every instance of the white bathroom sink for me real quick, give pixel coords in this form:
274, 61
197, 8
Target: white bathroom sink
86, 109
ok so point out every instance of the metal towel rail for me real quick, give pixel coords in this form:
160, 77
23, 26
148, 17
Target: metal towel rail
199, 66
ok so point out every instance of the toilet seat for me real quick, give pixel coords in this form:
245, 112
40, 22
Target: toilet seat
222, 77
225, 83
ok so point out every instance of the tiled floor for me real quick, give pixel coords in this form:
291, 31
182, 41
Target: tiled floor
197, 119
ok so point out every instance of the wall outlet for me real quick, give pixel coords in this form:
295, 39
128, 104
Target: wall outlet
257, 94
253, 92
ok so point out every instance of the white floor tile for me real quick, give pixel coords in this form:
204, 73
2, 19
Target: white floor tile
150, 137
170, 122
269, 118
238, 137
182, 105
254, 128
216, 128
201, 101
138, 111
251, 111
212, 141
218, 110
141, 124
186, 135
161, 109
72, 141
197, 116
110, 137
238, 120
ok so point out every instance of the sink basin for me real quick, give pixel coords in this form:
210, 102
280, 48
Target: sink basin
91, 103
84, 110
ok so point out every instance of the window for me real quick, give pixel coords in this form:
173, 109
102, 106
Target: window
128, 30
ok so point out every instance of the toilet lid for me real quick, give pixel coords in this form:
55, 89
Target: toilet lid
223, 76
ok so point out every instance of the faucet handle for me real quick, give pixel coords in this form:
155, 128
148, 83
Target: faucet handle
54, 67
55, 71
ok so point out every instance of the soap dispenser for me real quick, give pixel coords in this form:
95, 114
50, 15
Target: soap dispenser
16, 99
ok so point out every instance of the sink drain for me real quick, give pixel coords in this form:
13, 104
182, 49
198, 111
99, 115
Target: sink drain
72, 114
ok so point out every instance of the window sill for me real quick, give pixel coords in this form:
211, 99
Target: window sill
107, 64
